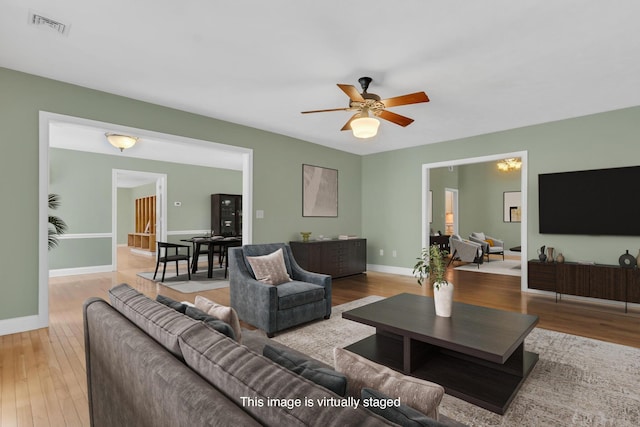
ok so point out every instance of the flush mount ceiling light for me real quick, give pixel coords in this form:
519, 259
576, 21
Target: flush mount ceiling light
365, 126
510, 164
121, 141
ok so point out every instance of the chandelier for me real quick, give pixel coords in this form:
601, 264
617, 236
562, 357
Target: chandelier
511, 164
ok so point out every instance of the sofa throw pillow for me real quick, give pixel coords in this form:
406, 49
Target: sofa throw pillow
421, 395
490, 242
270, 269
177, 306
402, 415
327, 378
211, 321
222, 312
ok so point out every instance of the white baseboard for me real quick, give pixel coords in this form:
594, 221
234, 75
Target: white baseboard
19, 324
80, 270
403, 271
143, 252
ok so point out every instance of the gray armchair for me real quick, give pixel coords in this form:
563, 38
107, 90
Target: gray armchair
496, 249
465, 250
274, 308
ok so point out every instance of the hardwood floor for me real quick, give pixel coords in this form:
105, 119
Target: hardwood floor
42, 372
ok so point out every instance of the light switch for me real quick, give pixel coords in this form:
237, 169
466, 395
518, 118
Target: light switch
259, 214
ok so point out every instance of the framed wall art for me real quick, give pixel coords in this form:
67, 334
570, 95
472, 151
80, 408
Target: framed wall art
319, 191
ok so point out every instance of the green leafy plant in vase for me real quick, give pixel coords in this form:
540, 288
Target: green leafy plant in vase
56, 225
431, 265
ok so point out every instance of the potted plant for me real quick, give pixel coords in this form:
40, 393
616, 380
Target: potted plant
431, 265
56, 225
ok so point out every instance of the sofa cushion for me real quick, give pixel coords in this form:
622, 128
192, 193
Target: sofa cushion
419, 394
403, 415
294, 293
222, 312
254, 383
270, 268
162, 323
327, 378
171, 303
211, 321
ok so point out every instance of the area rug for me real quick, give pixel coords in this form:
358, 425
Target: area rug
199, 281
577, 381
508, 267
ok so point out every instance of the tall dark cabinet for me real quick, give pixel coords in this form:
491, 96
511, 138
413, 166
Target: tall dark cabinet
226, 214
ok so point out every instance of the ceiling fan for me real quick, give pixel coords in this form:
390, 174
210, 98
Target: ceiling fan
366, 103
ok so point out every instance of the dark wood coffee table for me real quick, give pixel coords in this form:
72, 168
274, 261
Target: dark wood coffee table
477, 354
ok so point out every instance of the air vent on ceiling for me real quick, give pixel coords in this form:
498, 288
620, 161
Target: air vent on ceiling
43, 22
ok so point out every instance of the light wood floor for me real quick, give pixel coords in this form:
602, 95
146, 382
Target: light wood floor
42, 373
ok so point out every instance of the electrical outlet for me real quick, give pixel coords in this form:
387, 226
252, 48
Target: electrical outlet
394, 253
381, 252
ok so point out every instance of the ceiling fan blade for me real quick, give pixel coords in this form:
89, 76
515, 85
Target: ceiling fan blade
347, 126
351, 92
412, 98
324, 111
395, 118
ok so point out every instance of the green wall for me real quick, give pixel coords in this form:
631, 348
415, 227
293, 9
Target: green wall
124, 214
277, 172
597, 141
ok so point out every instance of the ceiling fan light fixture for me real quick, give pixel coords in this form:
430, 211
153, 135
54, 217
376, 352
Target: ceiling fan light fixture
365, 127
121, 141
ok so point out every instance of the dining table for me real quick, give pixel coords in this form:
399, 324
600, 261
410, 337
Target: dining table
222, 243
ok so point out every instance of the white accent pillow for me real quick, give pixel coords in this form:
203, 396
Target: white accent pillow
421, 395
270, 269
222, 312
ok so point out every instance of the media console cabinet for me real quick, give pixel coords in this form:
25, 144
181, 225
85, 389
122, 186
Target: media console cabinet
610, 282
337, 258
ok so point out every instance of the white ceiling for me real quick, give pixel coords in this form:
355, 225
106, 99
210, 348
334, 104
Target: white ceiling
487, 66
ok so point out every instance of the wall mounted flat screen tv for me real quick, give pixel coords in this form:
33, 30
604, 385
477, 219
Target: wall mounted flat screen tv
591, 202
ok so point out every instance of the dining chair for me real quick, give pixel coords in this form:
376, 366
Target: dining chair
164, 256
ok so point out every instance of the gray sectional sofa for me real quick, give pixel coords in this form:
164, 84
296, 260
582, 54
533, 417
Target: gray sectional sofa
149, 365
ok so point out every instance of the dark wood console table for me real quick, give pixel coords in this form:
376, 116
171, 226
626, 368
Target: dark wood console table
610, 282
337, 258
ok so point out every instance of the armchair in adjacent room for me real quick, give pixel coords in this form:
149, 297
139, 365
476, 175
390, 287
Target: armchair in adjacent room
295, 296
465, 250
490, 245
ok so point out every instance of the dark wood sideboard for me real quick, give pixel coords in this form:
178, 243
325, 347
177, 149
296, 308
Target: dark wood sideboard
337, 258
609, 282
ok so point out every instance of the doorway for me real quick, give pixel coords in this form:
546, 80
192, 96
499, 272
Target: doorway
451, 211
178, 149
129, 179
426, 168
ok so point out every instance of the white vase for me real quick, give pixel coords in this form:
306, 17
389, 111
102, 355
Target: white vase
443, 298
